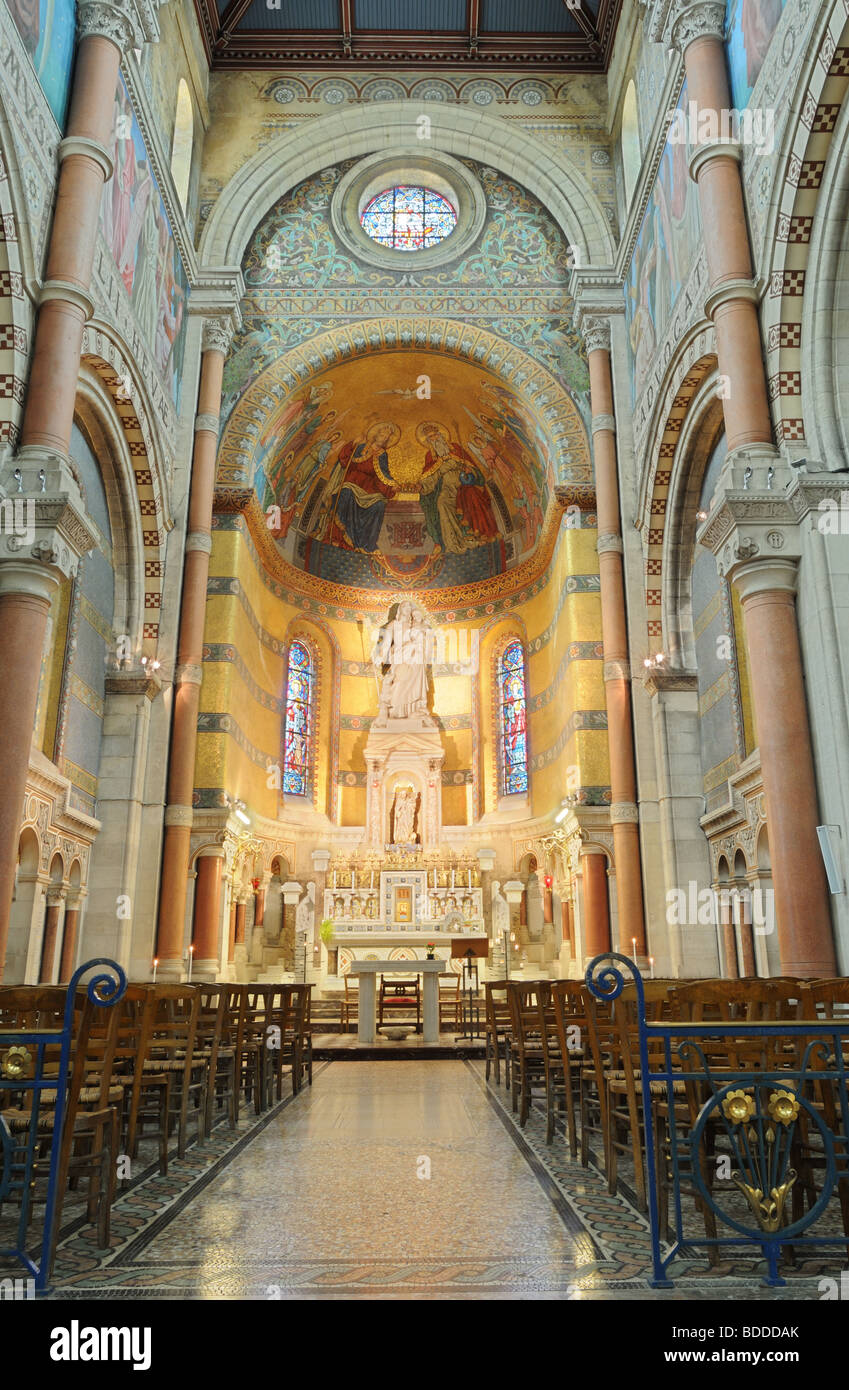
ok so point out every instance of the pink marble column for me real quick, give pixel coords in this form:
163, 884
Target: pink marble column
596, 907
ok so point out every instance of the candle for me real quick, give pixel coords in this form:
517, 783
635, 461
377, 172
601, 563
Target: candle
469, 884
434, 878
634, 947
155, 963
651, 963
371, 880
352, 878
191, 958
452, 878
335, 884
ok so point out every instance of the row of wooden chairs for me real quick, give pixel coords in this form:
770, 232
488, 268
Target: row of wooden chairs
579, 1056
163, 1056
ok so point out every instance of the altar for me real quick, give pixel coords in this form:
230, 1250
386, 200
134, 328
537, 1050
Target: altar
368, 971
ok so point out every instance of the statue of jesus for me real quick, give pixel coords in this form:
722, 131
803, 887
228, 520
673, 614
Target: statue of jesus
405, 645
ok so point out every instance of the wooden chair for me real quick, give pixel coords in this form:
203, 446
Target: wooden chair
147, 1092
219, 1056
400, 996
171, 1047
497, 1029
349, 1004
246, 1025
91, 1127
450, 1004
527, 1071
570, 1020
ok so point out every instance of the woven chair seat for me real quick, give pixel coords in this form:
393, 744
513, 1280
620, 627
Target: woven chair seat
161, 1064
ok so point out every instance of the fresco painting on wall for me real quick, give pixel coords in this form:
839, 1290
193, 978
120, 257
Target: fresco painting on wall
48, 29
359, 474
666, 248
749, 27
135, 224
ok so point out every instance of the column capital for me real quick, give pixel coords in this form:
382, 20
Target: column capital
28, 577
769, 575
705, 19
217, 335
624, 813
45, 519
595, 332
129, 24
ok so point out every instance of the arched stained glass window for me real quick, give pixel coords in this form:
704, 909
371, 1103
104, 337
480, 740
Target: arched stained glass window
300, 703
409, 218
513, 718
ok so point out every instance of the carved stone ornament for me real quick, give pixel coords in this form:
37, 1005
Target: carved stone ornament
217, 335
596, 334
128, 25
703, 20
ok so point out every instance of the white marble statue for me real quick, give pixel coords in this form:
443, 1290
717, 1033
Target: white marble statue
404, 817
305, 912
406, 646
500, 911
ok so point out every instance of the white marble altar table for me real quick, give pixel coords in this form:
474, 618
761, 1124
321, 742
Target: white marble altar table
368, 971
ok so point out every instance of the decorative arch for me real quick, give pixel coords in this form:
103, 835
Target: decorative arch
696, 359
364, 130
799, 180
182, 144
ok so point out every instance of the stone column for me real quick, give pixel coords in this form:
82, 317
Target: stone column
217, 335
27, 583
69, 941
766, 587
210, 865
729, 937
55, 904
320, 862
617, 672
803, 921
231, 932
596, 912
241, 914
258, 933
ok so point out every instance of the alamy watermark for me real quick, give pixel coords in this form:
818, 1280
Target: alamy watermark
754, 127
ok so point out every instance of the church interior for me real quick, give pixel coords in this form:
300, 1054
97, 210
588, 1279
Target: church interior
424, 695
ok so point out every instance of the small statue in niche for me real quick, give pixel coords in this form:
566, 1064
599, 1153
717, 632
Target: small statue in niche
404, 817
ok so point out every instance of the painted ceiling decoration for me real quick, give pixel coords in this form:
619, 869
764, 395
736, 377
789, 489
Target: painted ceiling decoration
549, 34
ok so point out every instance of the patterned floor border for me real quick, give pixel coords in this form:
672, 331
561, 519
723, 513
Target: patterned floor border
610, 1236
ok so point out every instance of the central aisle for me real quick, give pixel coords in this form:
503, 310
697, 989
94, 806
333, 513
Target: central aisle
331, 1188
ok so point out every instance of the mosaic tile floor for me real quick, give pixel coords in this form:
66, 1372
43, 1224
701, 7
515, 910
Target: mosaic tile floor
388, 1180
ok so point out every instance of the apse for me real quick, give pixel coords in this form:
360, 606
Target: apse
398, 468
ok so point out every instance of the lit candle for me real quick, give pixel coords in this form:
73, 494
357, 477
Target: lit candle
155, 963
651, 963
191, 958
634, 947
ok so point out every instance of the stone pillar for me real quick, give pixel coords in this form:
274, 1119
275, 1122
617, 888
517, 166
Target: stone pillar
106, 30
241, 914
729, 938
320, 863
766, 587
258, 933
803, 921
596, 911
217, 335
617, 672
231, 932
53, 917
210, 865
69, 941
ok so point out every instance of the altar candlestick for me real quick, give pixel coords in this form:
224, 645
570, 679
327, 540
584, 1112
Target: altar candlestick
155, 964
634, 947
191, 958
651, 963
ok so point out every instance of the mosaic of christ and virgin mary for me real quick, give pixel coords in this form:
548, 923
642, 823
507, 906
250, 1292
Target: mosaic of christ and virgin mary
403, 481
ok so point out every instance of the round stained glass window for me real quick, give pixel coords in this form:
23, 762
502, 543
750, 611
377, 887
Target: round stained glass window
408, 218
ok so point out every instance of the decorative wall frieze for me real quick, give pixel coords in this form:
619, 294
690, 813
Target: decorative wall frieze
658, 681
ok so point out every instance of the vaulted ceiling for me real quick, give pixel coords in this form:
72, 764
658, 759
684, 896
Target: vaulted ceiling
549, 34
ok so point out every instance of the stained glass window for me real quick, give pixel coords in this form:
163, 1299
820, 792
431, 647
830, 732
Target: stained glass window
299, 714
409, 218
514, 720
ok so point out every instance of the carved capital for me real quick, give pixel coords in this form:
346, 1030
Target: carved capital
129, 24
703, 20
624, 813
596, 333
217, 335
182, 816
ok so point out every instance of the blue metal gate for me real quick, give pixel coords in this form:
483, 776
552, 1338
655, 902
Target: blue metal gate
23, 1072
761, 1122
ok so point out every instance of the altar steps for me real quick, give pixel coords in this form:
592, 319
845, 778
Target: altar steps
346, 1047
